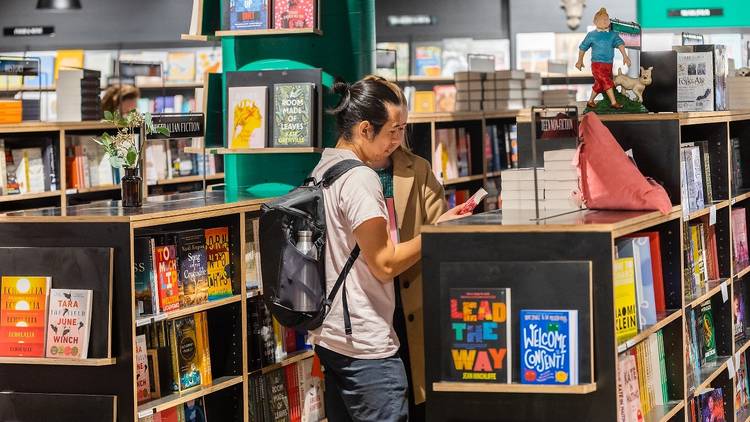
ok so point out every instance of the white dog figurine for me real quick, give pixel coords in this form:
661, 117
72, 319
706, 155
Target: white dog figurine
637, 85
743, 71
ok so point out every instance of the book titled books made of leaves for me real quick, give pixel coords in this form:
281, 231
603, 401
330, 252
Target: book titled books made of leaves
37, 320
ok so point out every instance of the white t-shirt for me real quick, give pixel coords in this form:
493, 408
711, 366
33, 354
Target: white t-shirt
354, 198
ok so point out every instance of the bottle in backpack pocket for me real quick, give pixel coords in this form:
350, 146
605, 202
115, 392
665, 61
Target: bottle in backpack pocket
304, 289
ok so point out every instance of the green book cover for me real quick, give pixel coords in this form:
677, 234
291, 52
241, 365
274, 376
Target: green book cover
707, 330
293, 114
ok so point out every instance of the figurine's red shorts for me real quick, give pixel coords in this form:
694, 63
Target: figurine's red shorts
602, 76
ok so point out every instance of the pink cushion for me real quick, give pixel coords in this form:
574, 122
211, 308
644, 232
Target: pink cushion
609, 180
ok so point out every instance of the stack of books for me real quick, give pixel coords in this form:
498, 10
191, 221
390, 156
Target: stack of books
561, 179
559, 97
696, 175
517, 189
738, 92
509, 89
469, 90
78, 95
532, 90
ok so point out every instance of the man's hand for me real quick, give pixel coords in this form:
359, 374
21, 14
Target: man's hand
579, 65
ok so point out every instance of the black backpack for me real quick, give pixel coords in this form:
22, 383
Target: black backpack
286, 272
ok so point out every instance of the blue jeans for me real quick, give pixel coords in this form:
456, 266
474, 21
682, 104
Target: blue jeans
364, 390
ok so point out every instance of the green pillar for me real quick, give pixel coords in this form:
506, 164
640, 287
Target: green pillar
346, 49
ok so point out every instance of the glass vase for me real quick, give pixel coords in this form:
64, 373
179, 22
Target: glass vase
132, 188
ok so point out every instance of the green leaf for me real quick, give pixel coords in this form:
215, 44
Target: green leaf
131, 158
115, 162
108, 115
163, 130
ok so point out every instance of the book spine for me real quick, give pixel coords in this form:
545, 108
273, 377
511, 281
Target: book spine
707, 173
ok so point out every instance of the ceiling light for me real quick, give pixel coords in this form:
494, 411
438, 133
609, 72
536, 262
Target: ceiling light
58, 5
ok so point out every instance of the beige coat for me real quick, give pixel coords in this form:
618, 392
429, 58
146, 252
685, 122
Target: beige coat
419, 199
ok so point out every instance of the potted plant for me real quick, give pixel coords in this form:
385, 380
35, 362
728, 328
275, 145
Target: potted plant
124, 150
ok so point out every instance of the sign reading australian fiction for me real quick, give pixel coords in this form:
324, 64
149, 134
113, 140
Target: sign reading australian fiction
180, 125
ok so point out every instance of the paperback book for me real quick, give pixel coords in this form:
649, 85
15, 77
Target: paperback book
738, 313
293, 114
549, 347
23, 315
146, 293
248, 14
707, 332
478, 345
193, 265
186, 359
142, 380
294, 14
219, 268
626, 314
246, 125
69, 323
639, 248
167, 278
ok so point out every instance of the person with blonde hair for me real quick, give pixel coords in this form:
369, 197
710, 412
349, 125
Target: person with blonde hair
602, 43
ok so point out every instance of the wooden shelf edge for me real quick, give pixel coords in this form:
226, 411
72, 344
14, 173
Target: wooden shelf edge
742, 273
709, 379
187, 179
493, 174
463, 179
743, 348
254, 293
148, 319
29, 196
58, 362
292, 358
711, 291
102, 188
672, 316
707, 210
740, 197
665, 412
269, 150
176, 399
197, 37
267, 32
466, 387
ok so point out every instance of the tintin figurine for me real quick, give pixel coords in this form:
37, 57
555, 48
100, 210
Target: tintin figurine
602, 42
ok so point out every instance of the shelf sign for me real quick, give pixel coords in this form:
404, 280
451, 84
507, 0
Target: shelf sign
28, 31
556, 124
18, 66
697, 12
180, 125
411, 20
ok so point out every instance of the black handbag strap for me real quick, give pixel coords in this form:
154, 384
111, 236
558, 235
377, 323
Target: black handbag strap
338, 170
340, 283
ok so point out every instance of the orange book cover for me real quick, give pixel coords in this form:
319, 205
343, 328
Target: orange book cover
22, 349
24, 301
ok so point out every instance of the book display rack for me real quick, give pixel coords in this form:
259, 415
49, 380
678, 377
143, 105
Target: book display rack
696, 337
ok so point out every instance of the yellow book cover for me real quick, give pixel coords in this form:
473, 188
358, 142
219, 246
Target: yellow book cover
68, 58
698, 262
626, 318
219, 270
24, 301
424, 102
201, 328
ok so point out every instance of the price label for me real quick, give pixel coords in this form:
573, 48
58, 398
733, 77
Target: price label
724, 291
145, 413
142, 321
712, 216
163, 316
730, 366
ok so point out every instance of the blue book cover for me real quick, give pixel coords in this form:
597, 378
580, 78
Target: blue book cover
248, 14
639, 248
549, 347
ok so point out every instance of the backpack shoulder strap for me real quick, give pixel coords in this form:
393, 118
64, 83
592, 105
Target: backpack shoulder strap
338, 170
340, 281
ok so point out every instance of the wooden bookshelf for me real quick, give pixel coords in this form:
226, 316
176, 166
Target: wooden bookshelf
29, 196
664, 413
148, 319
491, 174
57, 362
467, 387
713, 287
189, 179
195, 37
172, 85
290, 150
740, 197
465, 179
662, 321
710, 371
175, 399
742, 273
707, 210
101, 188
268, 32
292, 358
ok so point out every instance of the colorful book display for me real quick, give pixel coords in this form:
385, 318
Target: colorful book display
479, 330
248, 14
294, 14
626, 316
167, 278
217, 256
69, 323
246, 125
192, 262
293, 114
549, 347
23, 315
639, 249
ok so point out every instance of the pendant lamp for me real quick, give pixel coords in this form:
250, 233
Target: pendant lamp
58, 5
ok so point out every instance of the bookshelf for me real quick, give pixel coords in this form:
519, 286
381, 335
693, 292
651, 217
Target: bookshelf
105, 224
59, 136
267, 32
480, 245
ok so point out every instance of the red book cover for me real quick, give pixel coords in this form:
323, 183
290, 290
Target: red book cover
167, 278
656, 268
294, 14
712, 245
290, 340
22, 349
292, 389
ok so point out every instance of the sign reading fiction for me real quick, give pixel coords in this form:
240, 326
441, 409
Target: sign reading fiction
478, 336
28, 31
19, 66
185, 125
561, 125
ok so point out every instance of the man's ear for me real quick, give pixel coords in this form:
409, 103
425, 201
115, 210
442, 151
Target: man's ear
365, 130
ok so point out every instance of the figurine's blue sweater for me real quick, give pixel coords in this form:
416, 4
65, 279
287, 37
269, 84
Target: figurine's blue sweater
603, 43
